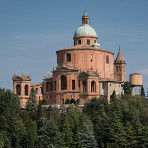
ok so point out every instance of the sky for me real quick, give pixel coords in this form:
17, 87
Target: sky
31, 31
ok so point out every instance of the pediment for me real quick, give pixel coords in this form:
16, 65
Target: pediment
21, 78
65, 69
86, 74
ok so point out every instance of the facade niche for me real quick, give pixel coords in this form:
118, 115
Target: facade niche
18, 89
73, 84
47, 86
68, 57
107, 59
84, 86
93, 86
26, 90
63, 82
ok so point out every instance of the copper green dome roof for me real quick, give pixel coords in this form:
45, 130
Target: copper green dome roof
85, 29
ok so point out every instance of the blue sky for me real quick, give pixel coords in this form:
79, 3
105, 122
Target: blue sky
32, 30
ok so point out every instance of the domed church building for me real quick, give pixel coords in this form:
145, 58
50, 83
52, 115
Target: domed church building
83, 71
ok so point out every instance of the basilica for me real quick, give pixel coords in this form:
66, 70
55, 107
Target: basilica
83, 71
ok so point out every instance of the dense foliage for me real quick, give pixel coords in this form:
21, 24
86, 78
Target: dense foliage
122, 123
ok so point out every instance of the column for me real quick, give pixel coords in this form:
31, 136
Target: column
68, 82
22, 89
81, 86
59, 82
135, 90
88, 86
139, 90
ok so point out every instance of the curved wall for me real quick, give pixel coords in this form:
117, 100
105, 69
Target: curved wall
86, 59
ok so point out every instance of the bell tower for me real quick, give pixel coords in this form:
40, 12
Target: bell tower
119, 67
21, 87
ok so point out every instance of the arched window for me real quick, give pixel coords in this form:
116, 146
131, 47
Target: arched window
116, 68
93, 86
68, 57
84, 86
18, 89
63, 82
107, 59
26, 90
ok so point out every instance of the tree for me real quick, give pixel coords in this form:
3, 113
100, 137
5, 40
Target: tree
67, 134
44, 102
48, 133
101, 126
92, 108
39, 111
67, 101
16, 130
9, 102
127, 88
11, 125
130, 137
113, 96
87, 136
142, 91
32, 102
115, 105
116, 131
73, 101
1, 140
74, 116
32, 134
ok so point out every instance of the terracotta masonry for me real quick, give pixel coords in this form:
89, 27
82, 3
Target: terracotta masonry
83, 71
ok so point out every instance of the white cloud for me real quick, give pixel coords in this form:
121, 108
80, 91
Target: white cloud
143, 71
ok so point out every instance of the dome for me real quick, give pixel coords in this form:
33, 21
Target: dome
85, 29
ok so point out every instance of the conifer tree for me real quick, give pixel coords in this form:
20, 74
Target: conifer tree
101, 126
116, 131
39, 111
1, 140
74, 116
145, 136
142, 91
67, 101
138, 132
127, 88
48, 133
32, 102
67, 134
32, 134
87, 136
44, 102
115, 105
130, 137
92, 108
